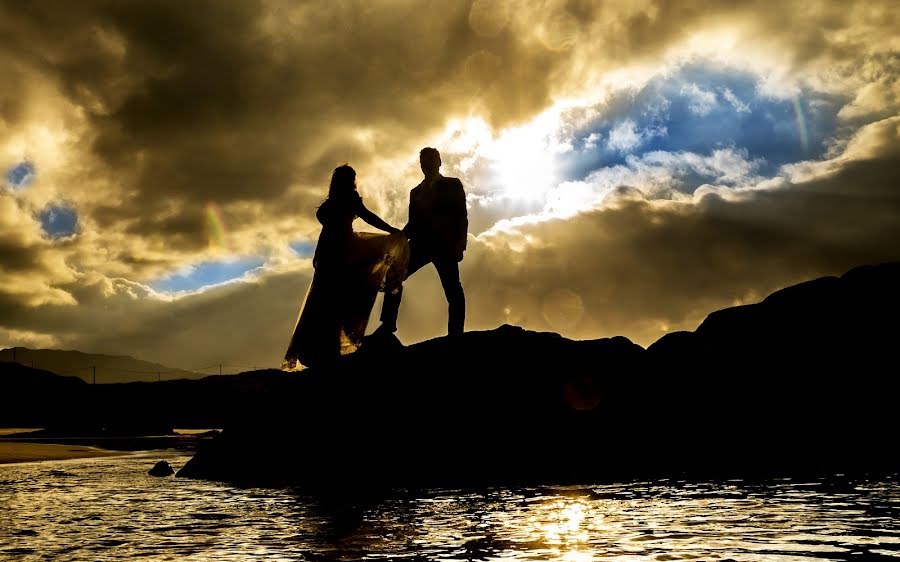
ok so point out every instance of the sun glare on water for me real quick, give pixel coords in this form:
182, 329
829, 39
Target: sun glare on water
565, 526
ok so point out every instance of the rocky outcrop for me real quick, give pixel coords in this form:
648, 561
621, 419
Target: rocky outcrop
161, 469
804, 380
848, 318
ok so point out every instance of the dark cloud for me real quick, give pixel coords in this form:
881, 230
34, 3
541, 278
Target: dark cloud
256, 101
235, 102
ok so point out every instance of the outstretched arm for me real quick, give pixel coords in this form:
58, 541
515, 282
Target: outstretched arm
374, 220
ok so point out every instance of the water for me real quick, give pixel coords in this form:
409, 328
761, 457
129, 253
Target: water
108, 509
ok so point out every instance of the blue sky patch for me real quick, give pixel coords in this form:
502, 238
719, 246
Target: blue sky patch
59, 221
304, 248
21, 175
207, 273
701, 109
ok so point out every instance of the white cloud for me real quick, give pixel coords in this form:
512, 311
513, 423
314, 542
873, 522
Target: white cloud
738, 105
656, 175
701, 101
624, 137
591, 140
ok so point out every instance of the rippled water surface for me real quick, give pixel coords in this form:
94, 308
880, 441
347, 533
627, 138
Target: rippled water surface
108, 508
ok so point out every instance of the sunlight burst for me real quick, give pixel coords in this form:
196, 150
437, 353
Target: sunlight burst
522, 160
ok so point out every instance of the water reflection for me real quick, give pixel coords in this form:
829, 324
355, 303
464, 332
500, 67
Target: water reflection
108, 508
565, 524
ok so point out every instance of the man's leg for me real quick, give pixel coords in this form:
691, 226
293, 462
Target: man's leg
391, 306
448, 270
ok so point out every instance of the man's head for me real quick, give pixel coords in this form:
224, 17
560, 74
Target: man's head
430, 160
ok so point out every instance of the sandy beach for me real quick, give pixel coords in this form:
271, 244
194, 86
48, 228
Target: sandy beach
14, 452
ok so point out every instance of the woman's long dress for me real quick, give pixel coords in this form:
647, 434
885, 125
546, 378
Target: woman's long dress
350, 268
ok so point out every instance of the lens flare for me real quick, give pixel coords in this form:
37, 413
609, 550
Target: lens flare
215, 228
802, 129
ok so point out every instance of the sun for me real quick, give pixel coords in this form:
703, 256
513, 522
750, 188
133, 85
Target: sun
519, 161
522, 161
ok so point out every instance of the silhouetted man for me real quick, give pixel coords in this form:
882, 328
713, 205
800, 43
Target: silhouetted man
437, 230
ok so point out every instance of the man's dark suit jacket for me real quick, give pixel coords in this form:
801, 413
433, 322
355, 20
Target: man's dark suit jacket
438, 222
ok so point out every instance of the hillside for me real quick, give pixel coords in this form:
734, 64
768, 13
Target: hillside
108, 368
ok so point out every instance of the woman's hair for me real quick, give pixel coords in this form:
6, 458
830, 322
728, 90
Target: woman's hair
343, 181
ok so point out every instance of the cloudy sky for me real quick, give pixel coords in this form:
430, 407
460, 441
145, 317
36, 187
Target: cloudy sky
630, 165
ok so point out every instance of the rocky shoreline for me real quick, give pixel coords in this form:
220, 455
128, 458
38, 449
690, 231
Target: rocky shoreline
803, 381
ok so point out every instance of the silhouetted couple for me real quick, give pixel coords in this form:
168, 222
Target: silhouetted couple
351, 267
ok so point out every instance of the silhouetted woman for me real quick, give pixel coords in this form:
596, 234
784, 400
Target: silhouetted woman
350, 268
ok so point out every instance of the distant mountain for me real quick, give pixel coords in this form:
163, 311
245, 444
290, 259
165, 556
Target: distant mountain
108, 368
68, 406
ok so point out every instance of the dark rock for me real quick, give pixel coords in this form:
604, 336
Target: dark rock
208, 434
380, 344
161, 468
675, 342
762, 388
